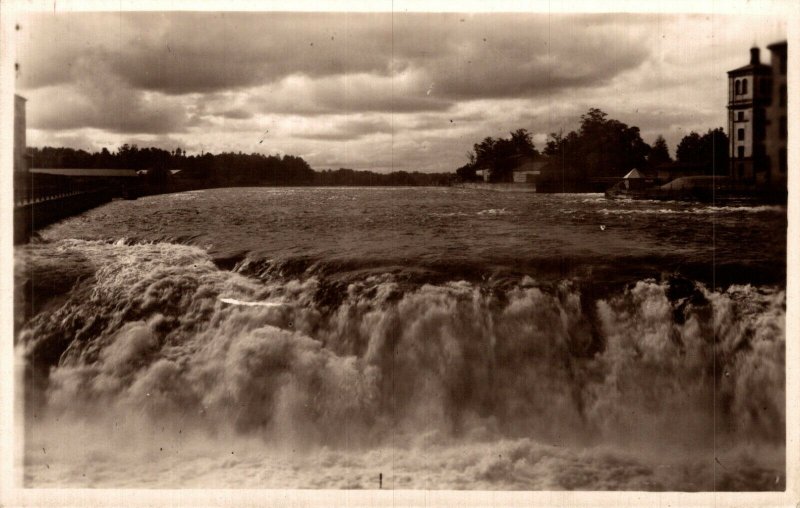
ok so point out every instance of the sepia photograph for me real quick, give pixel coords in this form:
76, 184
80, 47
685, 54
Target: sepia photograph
398, 250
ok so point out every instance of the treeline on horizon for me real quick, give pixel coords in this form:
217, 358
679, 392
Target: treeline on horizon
600, 148
227, 168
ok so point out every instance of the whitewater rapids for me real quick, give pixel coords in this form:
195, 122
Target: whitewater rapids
149, 365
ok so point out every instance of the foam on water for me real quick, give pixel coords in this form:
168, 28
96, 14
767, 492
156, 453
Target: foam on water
155, 367
696, 211
234, 301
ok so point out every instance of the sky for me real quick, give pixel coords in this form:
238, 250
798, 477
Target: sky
376, 91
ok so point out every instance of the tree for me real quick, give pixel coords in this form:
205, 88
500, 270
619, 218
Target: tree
659, 152
710, 150
688, 150
522, 144
466, 173
608, 147
499, 156
602, 147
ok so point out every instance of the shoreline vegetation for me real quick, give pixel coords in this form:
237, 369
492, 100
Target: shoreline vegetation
228, 169
592, 158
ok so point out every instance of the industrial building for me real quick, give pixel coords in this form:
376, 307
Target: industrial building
757, 122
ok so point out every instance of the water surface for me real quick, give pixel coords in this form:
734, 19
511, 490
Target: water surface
443, 338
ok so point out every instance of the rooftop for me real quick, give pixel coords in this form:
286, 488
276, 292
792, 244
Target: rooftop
755, 66
777, 45
121, 173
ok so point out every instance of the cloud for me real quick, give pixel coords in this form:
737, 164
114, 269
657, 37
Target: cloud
203, 52
497, 55
119, 112
345, 94
517, 55
236, 114
346, 128
408, 91
97, 99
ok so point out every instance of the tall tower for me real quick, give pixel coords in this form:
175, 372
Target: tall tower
749, 95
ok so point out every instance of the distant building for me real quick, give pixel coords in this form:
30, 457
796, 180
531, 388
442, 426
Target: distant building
528, 169
85, 172
757, 121
672, 170
483, 174
524, 169
21, 157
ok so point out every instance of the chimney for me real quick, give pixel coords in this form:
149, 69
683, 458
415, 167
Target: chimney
754, 56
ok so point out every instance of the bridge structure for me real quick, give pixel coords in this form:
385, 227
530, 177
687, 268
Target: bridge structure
45, 196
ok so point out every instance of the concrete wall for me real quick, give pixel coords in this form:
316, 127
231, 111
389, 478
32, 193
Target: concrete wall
776, 140
20, 141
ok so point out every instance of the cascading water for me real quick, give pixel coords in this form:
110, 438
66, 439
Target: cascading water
153, 363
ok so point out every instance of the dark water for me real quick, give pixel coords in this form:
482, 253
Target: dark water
449, 338
454, 233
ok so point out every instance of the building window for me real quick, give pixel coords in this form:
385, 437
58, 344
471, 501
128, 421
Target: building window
744, 86
783, 127
740, 116
740, 152
740, 134
738, 88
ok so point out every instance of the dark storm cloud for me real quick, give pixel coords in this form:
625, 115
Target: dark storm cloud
449, 56
200, 52
495, 56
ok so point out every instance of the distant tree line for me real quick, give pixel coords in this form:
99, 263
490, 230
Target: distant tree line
344, 176
224, 169
601, 148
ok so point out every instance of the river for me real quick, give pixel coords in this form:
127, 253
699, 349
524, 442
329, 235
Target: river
430, 337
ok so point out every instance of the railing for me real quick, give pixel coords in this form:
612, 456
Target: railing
33, 213
21, 201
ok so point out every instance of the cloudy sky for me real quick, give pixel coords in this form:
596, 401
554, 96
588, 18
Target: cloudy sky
408, 91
